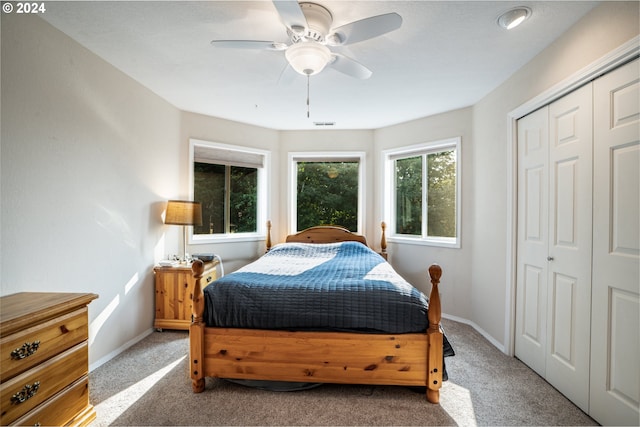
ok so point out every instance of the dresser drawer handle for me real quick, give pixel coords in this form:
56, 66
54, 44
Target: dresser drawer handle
26, 393
209, 279
26, 350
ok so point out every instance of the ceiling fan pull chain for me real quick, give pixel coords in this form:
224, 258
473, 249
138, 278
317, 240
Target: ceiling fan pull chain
307, 96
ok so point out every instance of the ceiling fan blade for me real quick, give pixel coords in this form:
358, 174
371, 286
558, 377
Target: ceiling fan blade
350, 67
291, 14
365, 29
249, 44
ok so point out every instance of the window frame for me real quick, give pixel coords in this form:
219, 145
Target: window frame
262, 214
389, 157
324, 156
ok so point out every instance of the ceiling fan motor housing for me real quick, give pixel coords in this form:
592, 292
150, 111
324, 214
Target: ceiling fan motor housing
319, 21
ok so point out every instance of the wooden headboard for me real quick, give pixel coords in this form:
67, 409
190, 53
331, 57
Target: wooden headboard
326, 234
329, 234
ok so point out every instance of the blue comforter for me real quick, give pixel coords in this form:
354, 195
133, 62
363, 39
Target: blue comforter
296, 286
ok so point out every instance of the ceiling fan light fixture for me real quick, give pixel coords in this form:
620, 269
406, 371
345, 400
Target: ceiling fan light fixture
308, 58
514, 17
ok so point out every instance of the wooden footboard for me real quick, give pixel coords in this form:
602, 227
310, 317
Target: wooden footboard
319, 357
322, 357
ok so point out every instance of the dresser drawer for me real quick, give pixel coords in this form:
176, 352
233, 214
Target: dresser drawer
61, 408
24, 392
24, 349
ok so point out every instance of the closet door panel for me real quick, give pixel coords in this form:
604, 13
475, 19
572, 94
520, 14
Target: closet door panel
533, 194
570, 231
615, 349
564, 300
625, 230
565, 213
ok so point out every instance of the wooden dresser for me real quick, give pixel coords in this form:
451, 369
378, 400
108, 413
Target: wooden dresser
173, 300
44, 360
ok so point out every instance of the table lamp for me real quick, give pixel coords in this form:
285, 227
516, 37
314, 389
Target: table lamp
182, 212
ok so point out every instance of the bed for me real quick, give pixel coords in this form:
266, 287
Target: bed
348, 328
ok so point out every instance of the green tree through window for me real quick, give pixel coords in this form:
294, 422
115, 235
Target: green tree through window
441, 194
409, 196
327, 194
229, 197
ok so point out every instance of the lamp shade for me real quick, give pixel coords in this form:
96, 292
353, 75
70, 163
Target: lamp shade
308, 58
181, 212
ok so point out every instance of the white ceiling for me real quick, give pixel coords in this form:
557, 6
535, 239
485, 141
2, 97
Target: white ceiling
446, 55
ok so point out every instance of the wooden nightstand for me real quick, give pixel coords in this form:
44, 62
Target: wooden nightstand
45, 359
173, 301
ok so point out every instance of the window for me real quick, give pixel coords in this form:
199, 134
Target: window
422, 193
230, 183
326, 189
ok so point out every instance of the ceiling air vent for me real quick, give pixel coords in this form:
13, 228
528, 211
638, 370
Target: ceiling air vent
324, 123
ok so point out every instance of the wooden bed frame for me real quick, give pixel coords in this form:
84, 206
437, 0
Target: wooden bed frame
413, 359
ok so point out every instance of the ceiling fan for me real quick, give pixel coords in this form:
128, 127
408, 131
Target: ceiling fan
309, 29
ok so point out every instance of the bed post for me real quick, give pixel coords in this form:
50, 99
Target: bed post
268, 235
434, 338
383, 240
196, 330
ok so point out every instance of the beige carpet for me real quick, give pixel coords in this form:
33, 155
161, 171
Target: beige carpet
149, 385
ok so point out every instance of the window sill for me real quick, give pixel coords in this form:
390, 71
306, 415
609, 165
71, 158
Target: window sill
226, 238
441, 242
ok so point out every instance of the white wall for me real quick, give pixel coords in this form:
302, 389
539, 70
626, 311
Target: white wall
602, 30
88, 160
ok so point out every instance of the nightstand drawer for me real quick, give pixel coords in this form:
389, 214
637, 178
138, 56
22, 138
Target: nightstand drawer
60, 409
27, 348
23, 393
208, 278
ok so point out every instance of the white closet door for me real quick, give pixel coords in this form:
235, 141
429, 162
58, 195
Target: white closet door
615, 349
533, 245
553, 289
570, 240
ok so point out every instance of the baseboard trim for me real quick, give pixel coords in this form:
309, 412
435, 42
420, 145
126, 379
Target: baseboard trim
119, 350
478, 329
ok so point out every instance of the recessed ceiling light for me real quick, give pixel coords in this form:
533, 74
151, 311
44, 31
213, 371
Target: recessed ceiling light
514, 17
